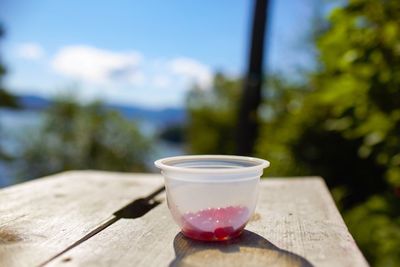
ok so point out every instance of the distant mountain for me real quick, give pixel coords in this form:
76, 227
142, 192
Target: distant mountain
160, 117
33, 102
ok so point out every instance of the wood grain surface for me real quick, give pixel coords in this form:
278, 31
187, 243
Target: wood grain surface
38, 219
296, 224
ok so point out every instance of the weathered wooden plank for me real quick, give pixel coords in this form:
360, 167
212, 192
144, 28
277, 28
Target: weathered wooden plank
296, 224
38, 219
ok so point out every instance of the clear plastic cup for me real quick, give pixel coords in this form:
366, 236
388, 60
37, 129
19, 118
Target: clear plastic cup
211, 197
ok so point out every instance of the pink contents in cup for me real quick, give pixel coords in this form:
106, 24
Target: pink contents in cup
215, 224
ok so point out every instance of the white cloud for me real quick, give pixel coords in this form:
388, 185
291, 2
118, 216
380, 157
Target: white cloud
161, 81
29, 51
119, 77
99, 66
96, 65
192, 70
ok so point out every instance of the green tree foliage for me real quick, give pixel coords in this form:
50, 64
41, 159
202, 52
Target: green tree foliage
347, 128
83, 137
6, 99
344, 124
278, 113
359, 95
211, 116
173, 133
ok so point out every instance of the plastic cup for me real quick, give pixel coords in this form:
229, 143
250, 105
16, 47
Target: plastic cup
211, 197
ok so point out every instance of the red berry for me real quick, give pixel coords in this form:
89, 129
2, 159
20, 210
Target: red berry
223, 233
215, 223
206, 236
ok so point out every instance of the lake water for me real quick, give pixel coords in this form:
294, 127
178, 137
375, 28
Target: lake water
14, 124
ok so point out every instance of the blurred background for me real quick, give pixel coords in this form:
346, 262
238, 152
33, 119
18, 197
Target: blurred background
114, 85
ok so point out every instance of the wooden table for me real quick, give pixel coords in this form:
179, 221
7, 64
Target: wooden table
75, 219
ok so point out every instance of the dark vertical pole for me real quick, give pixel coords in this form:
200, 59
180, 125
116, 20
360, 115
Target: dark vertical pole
251, 96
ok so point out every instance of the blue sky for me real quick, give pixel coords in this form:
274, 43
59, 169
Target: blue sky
147, 53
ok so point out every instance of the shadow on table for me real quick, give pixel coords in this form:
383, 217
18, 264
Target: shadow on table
249, 249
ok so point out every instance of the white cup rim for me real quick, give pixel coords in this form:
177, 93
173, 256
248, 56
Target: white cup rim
257, 164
